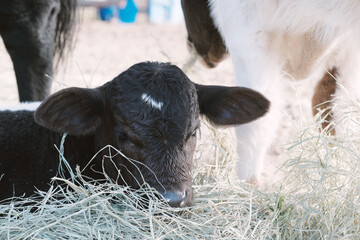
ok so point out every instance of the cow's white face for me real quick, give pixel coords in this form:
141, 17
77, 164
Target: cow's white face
151, 113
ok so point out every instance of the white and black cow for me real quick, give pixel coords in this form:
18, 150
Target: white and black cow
150, 112
273, 40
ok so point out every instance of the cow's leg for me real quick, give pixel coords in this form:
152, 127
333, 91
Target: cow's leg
322, 99
260, 70
29, 36
257, 65
32, 68
255, 138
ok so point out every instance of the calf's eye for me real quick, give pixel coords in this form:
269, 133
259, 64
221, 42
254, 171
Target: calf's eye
121, 137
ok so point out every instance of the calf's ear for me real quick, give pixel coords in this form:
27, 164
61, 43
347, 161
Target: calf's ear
231, 105
76, 111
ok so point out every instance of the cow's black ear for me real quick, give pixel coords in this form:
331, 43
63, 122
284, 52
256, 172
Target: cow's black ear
76, 111
231, 105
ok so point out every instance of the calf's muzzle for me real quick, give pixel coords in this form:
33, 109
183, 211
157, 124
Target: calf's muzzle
178, 195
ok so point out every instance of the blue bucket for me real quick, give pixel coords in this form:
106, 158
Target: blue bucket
128, 13
107, 13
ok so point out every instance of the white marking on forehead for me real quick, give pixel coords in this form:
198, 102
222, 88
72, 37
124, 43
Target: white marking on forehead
28, 106
152, 102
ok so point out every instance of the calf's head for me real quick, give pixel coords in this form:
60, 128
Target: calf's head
151, 113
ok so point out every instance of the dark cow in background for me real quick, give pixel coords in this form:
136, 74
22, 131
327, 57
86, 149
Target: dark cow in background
150, 112
34, 31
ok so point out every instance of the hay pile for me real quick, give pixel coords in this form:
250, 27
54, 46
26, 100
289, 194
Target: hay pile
319, 199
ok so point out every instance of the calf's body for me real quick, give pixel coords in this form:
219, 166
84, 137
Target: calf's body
150, 113
29, 158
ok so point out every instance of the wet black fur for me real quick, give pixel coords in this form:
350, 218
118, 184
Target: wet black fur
28, 157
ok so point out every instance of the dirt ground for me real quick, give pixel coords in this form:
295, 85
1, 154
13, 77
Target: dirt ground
105, 49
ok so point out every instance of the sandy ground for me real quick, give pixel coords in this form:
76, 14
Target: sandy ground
103, 50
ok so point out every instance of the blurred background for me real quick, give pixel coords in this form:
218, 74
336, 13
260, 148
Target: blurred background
130, 11
115, 34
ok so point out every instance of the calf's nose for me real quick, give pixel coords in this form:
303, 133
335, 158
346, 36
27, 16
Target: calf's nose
177, 198
177, 195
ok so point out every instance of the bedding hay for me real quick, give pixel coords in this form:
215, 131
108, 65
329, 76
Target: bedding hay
318, 199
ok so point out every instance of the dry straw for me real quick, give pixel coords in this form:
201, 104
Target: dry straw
318, 199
